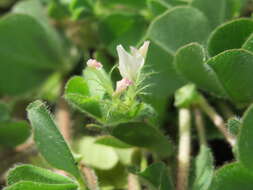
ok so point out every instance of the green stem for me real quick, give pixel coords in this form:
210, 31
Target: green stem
217, 120
184, 148
200, 126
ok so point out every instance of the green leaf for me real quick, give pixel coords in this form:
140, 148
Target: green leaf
41, 41
248, 44
13, 133
232, 177
158, 7
81, 3
159, 63
18, 62
28, 185
98, 82
78, 94
122, 28
217, 11
190, 63
36, 10
77, 85
245, 141
169, 29
143, 135
234, 71
36, 174
58, 10
157, 176
230, 35
96, 155
49, 140
167, 33
32, 8
81, 8
204, 169
112, 142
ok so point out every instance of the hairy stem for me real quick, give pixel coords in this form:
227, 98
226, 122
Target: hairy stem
184, 149
200, 126
217, 120
90, 177
64, 120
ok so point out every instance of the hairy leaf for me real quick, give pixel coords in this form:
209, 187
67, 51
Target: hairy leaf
49, 140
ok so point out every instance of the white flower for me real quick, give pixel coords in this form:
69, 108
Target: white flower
122, 85
130, 65
93, 63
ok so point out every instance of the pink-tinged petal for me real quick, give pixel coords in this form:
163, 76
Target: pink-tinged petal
94, 64
127, 82
122, 85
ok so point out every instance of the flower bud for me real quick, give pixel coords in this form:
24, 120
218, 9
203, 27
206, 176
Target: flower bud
93, 63
122, 85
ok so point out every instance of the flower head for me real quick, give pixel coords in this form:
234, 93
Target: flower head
122, 85
93, 63
130, 65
